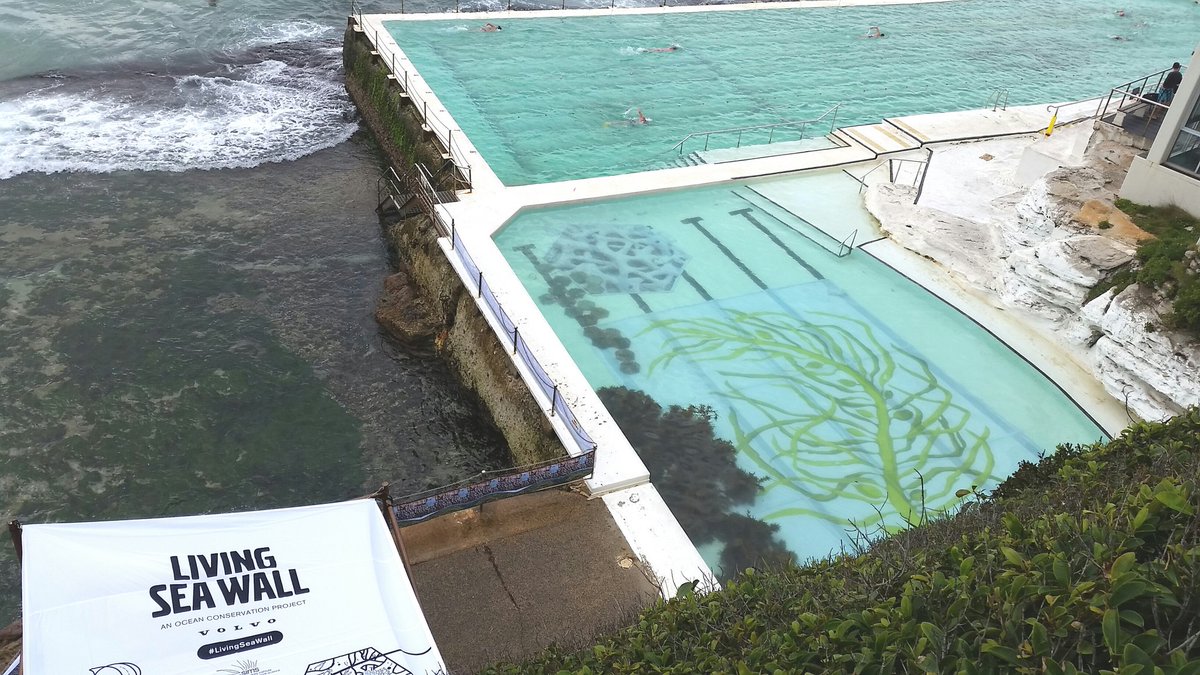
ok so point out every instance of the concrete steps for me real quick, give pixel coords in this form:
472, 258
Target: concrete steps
882, 138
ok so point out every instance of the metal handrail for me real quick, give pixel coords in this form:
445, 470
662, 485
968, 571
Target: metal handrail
803, 124
999, 99
849, 247
443, 132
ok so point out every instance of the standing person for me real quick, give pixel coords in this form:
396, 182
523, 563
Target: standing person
1170, 84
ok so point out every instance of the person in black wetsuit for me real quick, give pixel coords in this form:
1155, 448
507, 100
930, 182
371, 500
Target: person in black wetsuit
1170, 84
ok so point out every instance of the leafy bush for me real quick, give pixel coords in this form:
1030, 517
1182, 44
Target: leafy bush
1161, 263
1185, 314
1088, 561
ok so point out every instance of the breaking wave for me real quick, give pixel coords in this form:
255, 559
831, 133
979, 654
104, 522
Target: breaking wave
276, 95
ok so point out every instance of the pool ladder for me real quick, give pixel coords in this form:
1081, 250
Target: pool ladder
998, 99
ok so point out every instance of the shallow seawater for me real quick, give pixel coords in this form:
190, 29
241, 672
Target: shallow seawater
551, 98
855, 397
180, 343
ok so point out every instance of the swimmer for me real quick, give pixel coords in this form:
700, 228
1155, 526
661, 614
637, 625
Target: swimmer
1120, 12
873, 32
648, 50
630, 121
489, 28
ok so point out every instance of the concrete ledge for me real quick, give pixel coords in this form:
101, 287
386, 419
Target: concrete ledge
1157, 185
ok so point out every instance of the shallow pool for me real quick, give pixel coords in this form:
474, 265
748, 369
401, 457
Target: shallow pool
548, 98
854, 395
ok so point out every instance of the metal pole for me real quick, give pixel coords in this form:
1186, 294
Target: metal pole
516, 339
554, 400
921, 185
481, 283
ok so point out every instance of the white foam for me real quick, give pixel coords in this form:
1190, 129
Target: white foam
254, 34
263, 112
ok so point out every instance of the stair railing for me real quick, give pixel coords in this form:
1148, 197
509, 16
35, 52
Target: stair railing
830, 114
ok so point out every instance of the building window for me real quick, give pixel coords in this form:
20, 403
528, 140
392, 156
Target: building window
1185, 154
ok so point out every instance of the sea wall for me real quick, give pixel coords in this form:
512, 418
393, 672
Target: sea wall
426, 298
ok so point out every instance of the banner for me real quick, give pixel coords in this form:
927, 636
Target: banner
316, 590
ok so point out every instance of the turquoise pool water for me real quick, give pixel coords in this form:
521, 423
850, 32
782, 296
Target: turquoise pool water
843, 386
540, 98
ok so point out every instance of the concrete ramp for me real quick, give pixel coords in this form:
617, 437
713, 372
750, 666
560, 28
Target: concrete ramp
972, 124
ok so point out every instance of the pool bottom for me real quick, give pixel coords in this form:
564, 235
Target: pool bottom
854, 397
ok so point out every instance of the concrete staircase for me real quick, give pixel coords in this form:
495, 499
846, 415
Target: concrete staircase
882, 138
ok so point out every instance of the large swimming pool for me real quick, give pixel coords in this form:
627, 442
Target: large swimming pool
547, 98
851, 393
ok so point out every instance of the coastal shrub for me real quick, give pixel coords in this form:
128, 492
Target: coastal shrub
1087, 561
1162, 262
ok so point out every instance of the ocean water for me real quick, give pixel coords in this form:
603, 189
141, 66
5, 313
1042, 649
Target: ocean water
189, 263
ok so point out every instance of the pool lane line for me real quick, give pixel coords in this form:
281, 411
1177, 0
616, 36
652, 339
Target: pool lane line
695, 220
696, 285
987, 330
785, 209
745, 213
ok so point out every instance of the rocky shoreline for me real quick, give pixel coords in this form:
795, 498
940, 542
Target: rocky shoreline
1030, 223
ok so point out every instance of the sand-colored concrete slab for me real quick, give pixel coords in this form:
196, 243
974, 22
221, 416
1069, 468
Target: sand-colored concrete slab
882, 138
970, 124
504, 581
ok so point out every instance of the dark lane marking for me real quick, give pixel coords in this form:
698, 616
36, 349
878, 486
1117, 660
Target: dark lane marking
745, 213
728, 254
696, 285
641, 303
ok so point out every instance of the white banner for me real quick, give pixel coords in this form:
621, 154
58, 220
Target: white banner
316, 590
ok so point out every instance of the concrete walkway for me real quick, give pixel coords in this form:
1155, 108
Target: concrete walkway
504, 581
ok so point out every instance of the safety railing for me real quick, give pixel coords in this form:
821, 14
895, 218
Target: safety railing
756, 130
449, 137
421, 186
897, 168
1137, 98
998, 99
492, 485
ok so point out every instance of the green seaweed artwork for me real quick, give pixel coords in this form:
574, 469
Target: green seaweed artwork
831, 414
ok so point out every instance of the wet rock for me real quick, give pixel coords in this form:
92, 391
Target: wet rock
403, 313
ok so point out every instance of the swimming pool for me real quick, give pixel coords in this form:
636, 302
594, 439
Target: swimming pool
851, 393
546, 99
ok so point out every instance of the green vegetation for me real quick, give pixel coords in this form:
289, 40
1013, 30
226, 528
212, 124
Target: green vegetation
1088, 561
1163, 263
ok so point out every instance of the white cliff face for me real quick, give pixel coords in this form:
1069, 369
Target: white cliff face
1026, 242
1155, 372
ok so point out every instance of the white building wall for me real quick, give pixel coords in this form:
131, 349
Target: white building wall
1148, 182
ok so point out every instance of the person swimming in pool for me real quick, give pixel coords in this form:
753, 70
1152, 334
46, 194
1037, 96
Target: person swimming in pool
629, 121
874, 32
648, 50
489, 28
